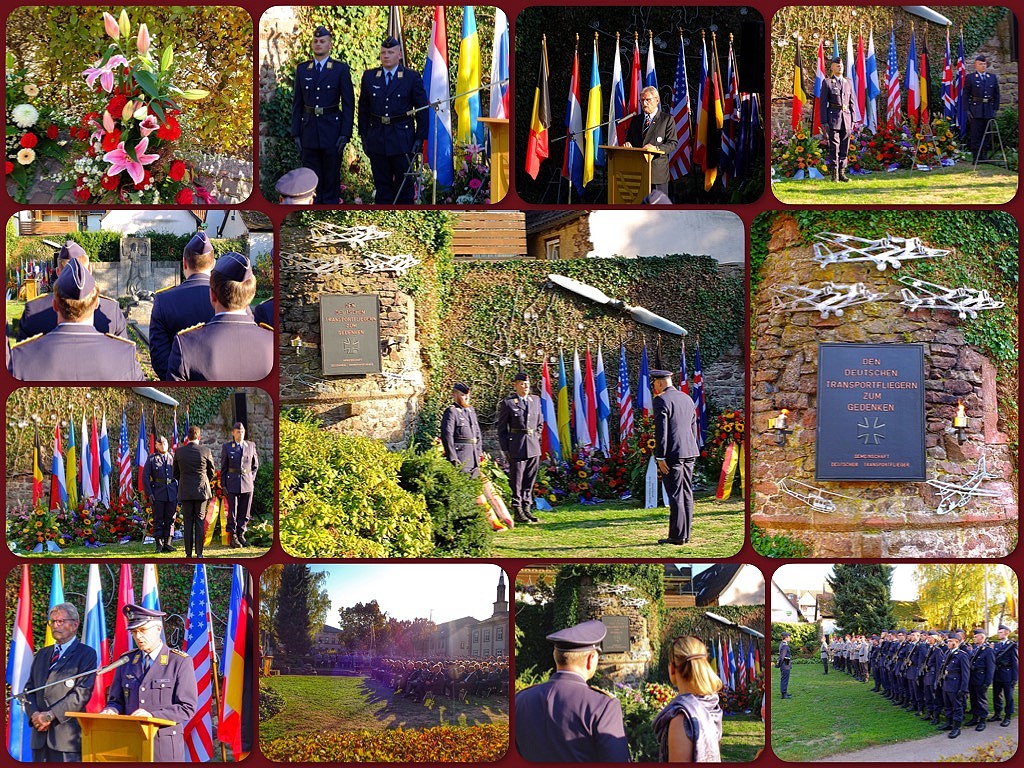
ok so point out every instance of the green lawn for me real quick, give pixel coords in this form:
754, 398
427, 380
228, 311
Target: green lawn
624, 529
958, 185
340, 704
834, 713
138, 549
742, 736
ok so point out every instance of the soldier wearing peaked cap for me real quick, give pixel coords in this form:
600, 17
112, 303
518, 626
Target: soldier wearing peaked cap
954, 679
981, 95
839, 106
323, 112
676, 449
983, 668
520, 423
564, 720
39, 316
460, 432
75, 350
231, 346
390, 125
156, 681
297, 187
1005, 678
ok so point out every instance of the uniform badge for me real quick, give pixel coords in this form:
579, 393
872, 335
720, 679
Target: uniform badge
660, 139
164, 658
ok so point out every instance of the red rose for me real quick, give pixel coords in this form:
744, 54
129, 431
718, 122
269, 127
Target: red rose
170, 130
184, 197
83, 194
108, 182
177, 172
29, 140
116, 105
51, 132
9, 167
111, 140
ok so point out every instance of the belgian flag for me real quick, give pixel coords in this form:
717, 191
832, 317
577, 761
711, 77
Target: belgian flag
37, 471
800, 95
537, 144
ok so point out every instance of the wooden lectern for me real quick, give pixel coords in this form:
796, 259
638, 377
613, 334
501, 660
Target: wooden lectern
118, 738
499, 156
629, 174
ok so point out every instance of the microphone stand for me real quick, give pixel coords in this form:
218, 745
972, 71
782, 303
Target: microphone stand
23, 696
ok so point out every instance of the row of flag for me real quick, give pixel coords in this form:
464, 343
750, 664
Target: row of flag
719, 135
861, 67
229, 685
29, 270
737, 666
584, 425
79, 477
437, 152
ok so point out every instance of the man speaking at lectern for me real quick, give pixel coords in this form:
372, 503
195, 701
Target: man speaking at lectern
155, 681
653, 128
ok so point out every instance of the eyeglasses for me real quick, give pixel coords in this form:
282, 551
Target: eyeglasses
143, 630
59, 622
648, 99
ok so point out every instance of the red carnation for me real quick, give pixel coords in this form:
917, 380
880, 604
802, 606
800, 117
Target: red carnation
29, 140
169, 130
109, 182
9, 167
116, 105
83, 194
184, 197
177, 171
146, 179
111, 140
51, 132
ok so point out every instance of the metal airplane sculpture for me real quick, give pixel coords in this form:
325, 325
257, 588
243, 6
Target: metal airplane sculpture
952, 496
889, 251
920, 294
816, 498
640, 314
830, 299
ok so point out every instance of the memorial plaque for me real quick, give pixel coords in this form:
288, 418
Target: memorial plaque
617, 639
870, 412
349, 334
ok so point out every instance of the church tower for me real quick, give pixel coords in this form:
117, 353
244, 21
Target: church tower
501, 604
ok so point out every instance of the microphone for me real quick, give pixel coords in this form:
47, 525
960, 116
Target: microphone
113, 665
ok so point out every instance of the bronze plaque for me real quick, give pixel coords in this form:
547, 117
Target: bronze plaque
617, 639
349, 334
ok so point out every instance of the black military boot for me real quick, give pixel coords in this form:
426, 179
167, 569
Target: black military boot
955, 732
980, 726
996, 717
948, 726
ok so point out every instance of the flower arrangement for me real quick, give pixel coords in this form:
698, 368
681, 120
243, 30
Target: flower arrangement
33, 130
29, 528
797, 154
585, 477
471, 183
128, 136
923, 148
946, 139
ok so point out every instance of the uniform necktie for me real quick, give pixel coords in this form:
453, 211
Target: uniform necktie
147, 662
389, 78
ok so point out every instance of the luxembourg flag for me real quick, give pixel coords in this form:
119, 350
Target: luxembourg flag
616, 133
572, 166
498, 107
438, 150
551, 446
94, 634
19, 667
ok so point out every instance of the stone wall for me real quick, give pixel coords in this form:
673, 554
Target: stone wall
382, 406
880, 519
597, 600
997, 50
277, 38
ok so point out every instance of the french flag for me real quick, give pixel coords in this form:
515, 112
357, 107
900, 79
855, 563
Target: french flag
438, 149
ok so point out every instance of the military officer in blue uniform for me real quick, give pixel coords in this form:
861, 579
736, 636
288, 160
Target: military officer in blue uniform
520, 422
784, 665
461, 438
75, 350
981, 95
929, 674
264, 313
839, 108
40, 317
238, 465
230, 346
954, 678
564, 720
390, 125
914, 672
1005, 677
322, 115
155, 681
162, 490
983, 669
675, 450
182, 306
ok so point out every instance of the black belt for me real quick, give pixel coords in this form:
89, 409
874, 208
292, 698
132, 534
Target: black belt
470, 441
522, 431
318, 111
389, 119
160, 482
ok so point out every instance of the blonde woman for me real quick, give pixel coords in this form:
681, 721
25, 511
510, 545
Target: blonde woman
689, 728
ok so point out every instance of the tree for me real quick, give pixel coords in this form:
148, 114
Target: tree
410, 638
293, 619
270, 587
956, 595
363, 626
863, 597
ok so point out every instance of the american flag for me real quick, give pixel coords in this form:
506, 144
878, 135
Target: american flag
698, 393
679, 163
625, 400
199, 645
892, 83
124, 464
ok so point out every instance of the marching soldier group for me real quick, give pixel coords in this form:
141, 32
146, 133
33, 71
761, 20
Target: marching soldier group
454, 678
934, 674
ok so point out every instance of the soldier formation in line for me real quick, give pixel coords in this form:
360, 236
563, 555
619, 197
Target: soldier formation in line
933, 674
456, 679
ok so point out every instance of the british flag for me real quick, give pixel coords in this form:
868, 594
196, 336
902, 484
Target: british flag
124, 463
679, 163
892, 85
199, 645
625, 398
698, 394
948, 94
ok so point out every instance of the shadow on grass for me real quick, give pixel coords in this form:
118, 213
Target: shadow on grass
392, 710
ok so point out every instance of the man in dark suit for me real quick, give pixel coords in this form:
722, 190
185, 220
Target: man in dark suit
162, 490
75, 350
784, 665
519, 429
564, 720
194, 470
57, 738
839, 108
40, 317
460, 432
653, 129
230, 346
322, 115
983, 669
954, 679
390, 125
238, 465
981, 95
676, 449
156, 681
1005, 677
181, 306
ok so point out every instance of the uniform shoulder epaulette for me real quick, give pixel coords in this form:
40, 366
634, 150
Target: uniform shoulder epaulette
119, 338
609, 694
264, 325
26, 341
167, 288
108, 298
191, 328
178, 652
306, 64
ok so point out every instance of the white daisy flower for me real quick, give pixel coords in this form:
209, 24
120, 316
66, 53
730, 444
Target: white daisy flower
24, 115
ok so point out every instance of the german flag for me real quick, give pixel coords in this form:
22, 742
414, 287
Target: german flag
715, 118
537, 145
800, 95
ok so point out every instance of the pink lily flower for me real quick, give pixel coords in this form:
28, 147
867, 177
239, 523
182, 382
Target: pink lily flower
142, 41
110, 26
104, 73
149, 125
121, 161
